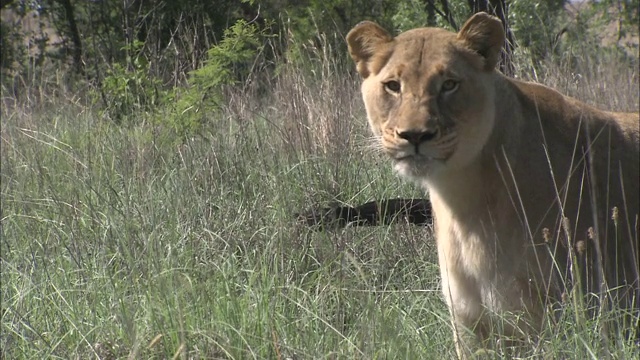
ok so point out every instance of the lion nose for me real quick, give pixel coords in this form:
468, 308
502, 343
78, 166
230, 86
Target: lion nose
416, 137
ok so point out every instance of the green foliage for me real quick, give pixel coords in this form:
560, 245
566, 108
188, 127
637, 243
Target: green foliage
405, 16
127, 91
612, 23
309, 26
413, 13
310, 18
598, 33
535, 24
228, 63
626, 13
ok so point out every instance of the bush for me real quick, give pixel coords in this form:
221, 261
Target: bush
128, 91
228, 63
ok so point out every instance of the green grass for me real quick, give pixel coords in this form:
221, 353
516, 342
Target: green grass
118, 242
113, 236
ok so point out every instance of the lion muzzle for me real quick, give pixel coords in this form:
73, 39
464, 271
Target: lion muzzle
417, 136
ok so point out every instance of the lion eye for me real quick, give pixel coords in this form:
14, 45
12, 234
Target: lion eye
449, 85
392, 86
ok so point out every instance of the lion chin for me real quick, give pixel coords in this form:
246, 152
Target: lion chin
518, 175
418, 168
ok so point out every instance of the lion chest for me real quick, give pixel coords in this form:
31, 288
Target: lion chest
479, 265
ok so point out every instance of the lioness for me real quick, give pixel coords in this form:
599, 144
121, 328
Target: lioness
522, 179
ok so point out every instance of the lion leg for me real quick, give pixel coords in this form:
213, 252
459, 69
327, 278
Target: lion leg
470, 335
467, 313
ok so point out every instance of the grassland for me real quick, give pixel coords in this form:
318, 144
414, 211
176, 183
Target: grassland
119, 242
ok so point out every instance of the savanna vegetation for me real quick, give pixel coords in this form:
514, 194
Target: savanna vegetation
154, 153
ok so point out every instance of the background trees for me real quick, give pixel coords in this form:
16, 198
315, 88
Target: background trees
137, 50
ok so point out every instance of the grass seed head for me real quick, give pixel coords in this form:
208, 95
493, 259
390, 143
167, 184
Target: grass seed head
581, 246
546, 235
614, 215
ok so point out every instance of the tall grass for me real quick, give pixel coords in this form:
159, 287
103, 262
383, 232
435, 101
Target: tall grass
118, 243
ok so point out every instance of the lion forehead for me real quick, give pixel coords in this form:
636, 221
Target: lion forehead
421, 57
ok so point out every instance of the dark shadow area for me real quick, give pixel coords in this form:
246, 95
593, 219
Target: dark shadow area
374, 213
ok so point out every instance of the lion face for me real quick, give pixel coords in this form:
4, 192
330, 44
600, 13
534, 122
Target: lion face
428, 92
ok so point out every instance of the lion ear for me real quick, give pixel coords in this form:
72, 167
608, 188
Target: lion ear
484, 34
365, 40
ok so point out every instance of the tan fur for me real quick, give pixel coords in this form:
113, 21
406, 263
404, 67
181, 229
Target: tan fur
504, 161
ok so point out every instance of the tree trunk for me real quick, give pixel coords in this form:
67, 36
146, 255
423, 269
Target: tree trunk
445, 13
448, 15
430, 8
74, 34
500, 9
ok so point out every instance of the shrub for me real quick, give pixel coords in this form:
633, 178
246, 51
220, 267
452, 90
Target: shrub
128, 90
228, 63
